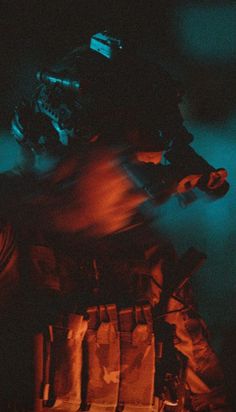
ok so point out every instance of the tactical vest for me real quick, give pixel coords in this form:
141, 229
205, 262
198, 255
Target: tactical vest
104, 360
108, 356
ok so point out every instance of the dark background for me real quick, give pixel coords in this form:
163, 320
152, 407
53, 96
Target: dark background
196, 42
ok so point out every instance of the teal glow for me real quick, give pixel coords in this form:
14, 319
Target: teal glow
10, 152
45, 163
207, 32
209, 226
12, 157
67, 83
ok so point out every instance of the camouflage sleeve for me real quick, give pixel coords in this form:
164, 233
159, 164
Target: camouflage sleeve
204, 375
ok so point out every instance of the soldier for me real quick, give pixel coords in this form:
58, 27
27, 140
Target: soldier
100, 304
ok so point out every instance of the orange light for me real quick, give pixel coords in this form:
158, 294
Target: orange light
149, 157
216, 178
188, 183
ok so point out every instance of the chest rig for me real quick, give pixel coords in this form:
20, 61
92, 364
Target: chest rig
105, 363
114, 356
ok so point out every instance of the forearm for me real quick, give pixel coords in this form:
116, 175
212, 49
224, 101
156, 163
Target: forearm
204, 375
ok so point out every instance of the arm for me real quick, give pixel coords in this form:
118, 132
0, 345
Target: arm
204, 375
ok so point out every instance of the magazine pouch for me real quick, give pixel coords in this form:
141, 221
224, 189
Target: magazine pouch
66, 362
103, 352
137, 359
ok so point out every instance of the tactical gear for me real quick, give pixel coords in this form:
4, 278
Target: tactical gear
106, 356
118, 366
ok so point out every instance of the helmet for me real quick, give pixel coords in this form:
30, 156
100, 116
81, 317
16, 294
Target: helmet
100, 89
